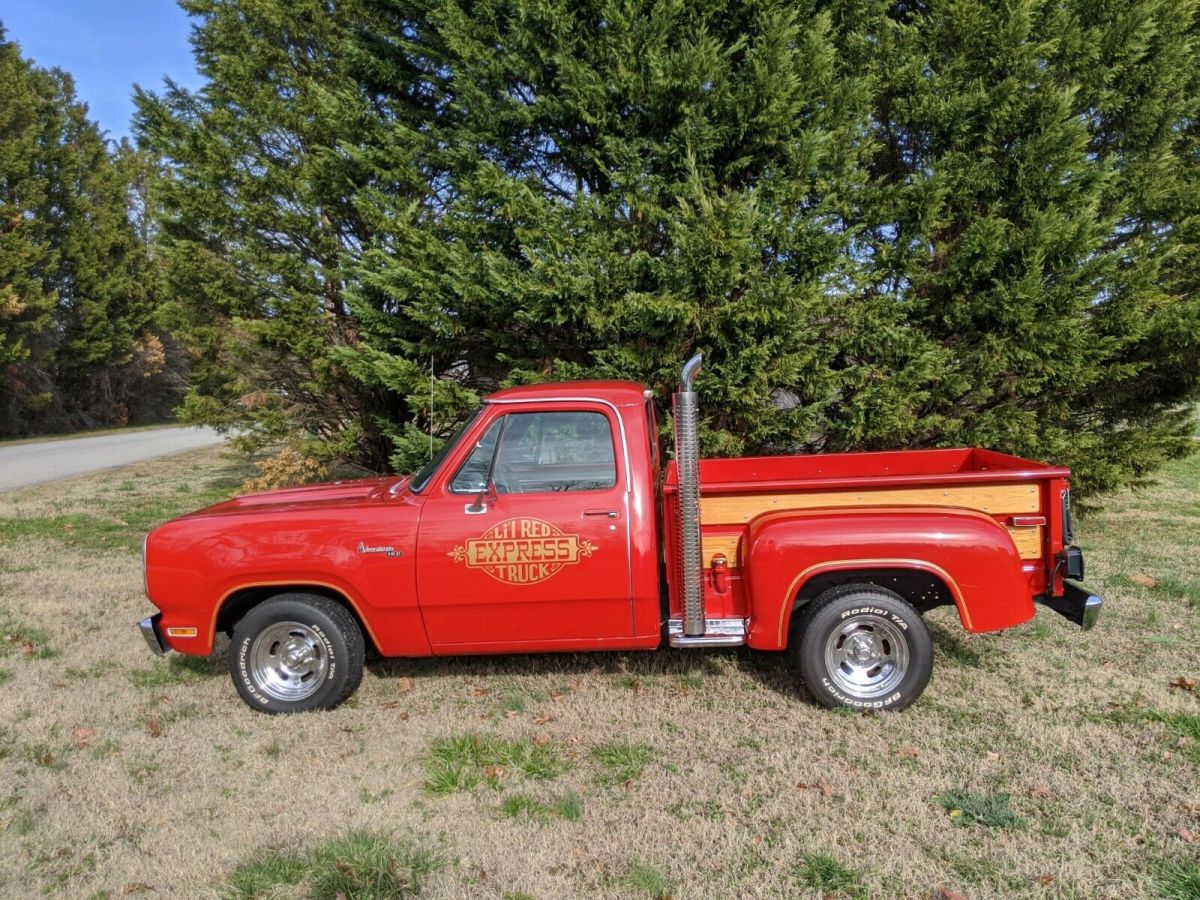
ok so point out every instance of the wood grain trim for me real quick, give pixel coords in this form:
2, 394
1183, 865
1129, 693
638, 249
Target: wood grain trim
712, 544
1028, 539
993, 499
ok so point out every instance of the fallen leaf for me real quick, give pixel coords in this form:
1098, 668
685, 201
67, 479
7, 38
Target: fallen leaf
1184, 684
137, 887
944, 893
1187, 837
541, 740
83, 736
992, 756
1044, 880
826, 790
956, 813
907, 752
509, 713
542, 720
634, 684
346, 728
758, 839
573, 740
154, 727
391, 704
478, 692
404, 684
1143, 580
494, 773
1037, 792
556, 696
1166, 755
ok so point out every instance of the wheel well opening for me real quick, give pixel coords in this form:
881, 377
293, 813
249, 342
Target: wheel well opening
924, 590
240, 602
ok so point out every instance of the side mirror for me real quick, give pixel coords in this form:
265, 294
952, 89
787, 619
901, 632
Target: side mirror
479, 506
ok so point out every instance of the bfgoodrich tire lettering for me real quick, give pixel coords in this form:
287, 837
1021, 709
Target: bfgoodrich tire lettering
863, 647
296, 652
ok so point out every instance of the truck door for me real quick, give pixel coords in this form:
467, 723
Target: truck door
525, 544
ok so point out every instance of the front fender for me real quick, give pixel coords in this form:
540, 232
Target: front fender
968, 551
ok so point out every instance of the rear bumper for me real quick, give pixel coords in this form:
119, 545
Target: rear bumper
151, 631
1075, 605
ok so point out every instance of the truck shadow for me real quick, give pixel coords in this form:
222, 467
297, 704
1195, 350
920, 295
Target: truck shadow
632, 668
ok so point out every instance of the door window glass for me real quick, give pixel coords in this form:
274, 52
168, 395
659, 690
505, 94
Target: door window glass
472, 475
540, 452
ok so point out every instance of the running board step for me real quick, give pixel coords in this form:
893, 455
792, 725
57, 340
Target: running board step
717, 633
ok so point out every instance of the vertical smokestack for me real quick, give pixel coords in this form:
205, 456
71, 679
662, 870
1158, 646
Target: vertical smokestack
687, 462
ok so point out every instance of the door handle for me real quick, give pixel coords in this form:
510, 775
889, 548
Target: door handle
607, 513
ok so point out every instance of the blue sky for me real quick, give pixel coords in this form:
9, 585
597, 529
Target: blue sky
108, 45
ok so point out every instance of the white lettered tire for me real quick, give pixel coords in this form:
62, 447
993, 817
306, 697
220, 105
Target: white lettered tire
863, 647
296, 652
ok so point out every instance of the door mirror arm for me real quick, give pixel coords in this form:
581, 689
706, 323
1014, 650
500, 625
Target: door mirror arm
479, 505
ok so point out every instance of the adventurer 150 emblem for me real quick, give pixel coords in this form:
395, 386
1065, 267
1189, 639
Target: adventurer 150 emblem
522, 551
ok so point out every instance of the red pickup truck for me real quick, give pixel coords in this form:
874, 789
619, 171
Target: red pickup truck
551, 522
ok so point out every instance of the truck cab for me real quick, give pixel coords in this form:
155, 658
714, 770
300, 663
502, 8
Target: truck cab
551, 522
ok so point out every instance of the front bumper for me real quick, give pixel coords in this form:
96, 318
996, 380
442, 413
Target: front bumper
153, 634
1075, 605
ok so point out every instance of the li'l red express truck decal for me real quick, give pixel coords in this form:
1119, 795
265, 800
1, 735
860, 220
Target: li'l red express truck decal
523, 551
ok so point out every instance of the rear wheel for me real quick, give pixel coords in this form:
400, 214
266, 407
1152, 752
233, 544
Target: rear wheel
863, 647
296, 652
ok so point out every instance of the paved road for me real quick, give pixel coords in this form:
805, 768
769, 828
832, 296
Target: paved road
25, 464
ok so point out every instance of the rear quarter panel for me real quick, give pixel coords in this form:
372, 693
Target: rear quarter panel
968, 550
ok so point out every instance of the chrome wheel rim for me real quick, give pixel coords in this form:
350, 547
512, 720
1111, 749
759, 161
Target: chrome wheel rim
289, 661
866, 656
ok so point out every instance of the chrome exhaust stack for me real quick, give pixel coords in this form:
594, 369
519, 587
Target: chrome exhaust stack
687, 463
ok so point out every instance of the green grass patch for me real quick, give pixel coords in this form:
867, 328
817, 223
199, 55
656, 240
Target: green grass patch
119, 523
1182, 728
526, 806
25, 640
175, 670
643, 878
363, 864
42, 754
1175, 879
5, 675
990, 810
825, 876
622, 762
463, 762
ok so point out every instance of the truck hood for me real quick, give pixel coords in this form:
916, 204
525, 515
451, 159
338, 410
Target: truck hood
333, 494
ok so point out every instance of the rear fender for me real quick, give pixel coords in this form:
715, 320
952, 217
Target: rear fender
970, 553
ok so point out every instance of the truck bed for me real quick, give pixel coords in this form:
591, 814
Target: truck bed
821, 471
1016, 492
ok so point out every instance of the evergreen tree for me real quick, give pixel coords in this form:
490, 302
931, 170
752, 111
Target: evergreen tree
79, 345
26, 302
259, 222
886, 224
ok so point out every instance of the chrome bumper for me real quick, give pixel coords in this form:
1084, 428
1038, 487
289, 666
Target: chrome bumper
1076, 605
152, 634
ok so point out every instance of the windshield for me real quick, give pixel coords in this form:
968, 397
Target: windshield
427, 471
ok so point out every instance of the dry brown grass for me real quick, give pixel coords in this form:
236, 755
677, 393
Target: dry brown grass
121, 773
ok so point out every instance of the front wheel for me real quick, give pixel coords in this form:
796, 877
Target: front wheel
863, 647
296, 652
